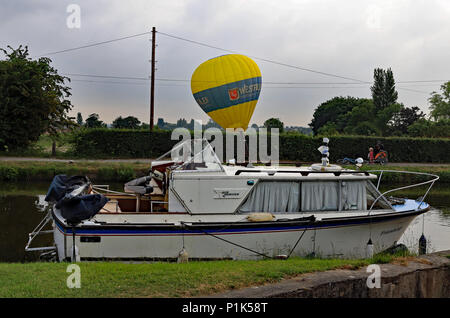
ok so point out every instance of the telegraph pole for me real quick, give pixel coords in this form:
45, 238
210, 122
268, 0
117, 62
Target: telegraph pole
152, 80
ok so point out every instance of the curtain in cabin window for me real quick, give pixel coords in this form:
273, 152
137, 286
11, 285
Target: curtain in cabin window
320, 196
353, 194
324, 195
273, 197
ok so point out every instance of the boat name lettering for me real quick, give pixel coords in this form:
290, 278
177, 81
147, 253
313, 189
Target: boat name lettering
391, 231
228, 193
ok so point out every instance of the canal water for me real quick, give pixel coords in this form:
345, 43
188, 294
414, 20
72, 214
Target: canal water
22, 207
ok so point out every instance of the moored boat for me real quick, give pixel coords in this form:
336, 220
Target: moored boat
199, 208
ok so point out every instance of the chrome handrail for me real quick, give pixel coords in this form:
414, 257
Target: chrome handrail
96, 189
38, 230
432, 181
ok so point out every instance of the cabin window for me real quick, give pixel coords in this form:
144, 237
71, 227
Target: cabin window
353, 195
333, 195
292, 196
273, 197
320, 196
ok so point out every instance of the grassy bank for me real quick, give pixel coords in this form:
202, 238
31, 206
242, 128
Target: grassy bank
442, 171
107, 279
100, 171
95, 170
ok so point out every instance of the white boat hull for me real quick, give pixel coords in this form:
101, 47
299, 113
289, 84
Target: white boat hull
339, 238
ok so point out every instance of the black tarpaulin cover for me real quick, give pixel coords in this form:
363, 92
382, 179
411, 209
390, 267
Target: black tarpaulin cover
62, 185
67, 193
81, 207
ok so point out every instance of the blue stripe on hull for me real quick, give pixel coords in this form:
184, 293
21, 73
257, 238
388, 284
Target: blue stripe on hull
222, 231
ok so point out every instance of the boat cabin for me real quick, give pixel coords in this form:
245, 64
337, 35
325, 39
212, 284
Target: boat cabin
201, 184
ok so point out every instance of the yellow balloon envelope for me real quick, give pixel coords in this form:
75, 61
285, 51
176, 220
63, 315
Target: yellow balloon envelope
227, 88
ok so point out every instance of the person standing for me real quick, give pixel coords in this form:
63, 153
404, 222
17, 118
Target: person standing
370, 156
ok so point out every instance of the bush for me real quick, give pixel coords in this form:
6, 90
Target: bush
8, 174
117, 143
121, 143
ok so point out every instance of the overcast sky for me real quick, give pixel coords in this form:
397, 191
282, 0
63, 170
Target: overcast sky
346, 38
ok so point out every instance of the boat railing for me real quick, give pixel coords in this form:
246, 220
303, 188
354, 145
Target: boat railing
304, 173
39, 230
99, 188
382, 195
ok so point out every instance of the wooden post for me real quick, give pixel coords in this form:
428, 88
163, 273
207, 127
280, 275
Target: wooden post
152, 80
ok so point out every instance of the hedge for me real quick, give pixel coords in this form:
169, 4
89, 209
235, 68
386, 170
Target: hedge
115, 143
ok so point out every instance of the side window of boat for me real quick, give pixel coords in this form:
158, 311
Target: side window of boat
320, 196
308, 196
273, 197
353, 195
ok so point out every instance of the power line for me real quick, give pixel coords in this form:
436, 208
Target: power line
413, 90
264, 82
229, 51
281, 63
265, 60
108, 76
95, 44
107, 82
283, 87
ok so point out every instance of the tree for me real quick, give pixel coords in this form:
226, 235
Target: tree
274, 123
33, 99
182, 123
429, 128
329, 129
341, 110
400, 121
79, 119
129, 122
390, 94
161, 123
384, 116
93, 121
440, 104
211, 124
383, 89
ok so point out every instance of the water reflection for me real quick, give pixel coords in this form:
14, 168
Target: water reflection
19, 215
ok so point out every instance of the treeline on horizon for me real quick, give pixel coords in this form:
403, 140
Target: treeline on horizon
131, 122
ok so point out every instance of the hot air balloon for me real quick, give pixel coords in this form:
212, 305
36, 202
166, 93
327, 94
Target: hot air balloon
227, 88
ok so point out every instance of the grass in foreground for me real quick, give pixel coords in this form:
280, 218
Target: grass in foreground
112, 279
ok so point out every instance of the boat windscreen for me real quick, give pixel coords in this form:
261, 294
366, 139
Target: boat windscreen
199, 155
373, 194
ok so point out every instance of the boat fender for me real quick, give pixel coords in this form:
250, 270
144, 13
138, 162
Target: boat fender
183, 256
260, 217
369, 249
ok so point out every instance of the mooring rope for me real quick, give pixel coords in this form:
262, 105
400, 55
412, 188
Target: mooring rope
241, 246
292, 250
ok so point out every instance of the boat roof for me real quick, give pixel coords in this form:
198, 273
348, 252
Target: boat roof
276, 172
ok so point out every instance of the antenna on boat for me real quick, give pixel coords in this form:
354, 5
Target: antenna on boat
324, 150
